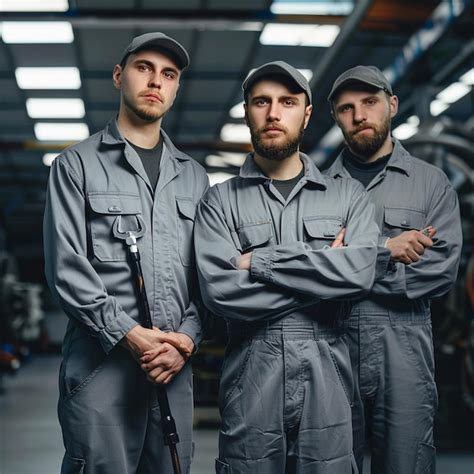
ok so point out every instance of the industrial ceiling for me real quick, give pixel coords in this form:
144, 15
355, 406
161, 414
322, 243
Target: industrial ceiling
422, 46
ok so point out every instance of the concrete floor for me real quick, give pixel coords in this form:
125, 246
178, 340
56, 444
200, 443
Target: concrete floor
31, 443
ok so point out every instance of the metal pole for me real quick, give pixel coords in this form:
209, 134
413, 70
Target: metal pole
170, 434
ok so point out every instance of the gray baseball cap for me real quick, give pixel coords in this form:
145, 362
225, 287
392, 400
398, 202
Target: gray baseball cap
277, 68
159, 41
369, 75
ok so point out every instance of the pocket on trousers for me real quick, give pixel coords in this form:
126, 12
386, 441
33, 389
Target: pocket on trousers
72, 465
222, 467
425, 462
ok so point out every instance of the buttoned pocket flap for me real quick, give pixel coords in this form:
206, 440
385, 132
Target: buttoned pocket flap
114, 203
255, 235
186, 208
322, 227
404, 218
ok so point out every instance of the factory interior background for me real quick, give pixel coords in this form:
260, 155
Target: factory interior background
56, 59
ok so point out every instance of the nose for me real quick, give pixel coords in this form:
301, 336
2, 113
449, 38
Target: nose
155, 81
274, 113
359, 114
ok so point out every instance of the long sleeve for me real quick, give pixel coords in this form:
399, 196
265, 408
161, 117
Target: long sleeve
436, 271
347, 272
229, 292
72, 279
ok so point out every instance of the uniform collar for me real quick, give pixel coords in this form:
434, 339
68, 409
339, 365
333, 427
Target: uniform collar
250, 170
400, 160
111, 135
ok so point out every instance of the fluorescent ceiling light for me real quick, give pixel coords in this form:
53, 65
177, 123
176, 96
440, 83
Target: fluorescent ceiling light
437, 107
238, 133
404, 131
219, 177
237, 111
55, 108
286, 34
48, 158
453, 92
225, 159
468, 77
28, 32
45, 131
34, 5
48, 77
414, 120
312, 7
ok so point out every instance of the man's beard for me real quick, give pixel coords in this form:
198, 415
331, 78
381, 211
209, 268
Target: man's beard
148, 115
366, 146
274, 151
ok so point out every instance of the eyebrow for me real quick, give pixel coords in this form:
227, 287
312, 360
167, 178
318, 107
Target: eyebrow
267, 97
152, 65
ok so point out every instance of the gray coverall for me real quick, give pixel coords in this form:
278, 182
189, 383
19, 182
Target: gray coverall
107, 409
389, 332
286, 385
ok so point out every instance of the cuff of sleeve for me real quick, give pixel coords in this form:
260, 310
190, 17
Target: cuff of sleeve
189, 328
115, 330
383, 262
383, 241
261, 264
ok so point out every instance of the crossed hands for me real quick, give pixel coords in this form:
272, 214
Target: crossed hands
408, 247
160, 354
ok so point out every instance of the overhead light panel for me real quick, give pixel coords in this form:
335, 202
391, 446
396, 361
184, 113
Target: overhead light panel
34, 5
318, 7
57, 132
48, 77
55, 108
437, 107
29, 32
468, 78
48, 158
289, 34
453, 92
237, 111
405, 131
238, 133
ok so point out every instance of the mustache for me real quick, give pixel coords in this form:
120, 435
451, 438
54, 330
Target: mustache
366, 126
268, 127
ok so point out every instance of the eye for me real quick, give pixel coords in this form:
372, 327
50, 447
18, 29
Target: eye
170, 74
260, 102
344, 108
371, 101
289, 103
143, 67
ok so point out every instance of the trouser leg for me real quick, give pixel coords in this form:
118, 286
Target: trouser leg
404, 409
156, 456
324, 442
103, 414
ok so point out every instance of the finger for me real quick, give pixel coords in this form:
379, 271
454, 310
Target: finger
413, 256
418, 248
339, 240
424, 240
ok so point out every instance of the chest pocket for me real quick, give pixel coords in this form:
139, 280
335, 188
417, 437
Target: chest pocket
397, 220
186, 213
255, 235
321, 231
106, 208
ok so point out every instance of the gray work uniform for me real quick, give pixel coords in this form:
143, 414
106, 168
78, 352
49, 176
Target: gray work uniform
389, 332
107, 409
286, 385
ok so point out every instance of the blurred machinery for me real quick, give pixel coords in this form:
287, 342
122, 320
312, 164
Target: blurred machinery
450, 146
